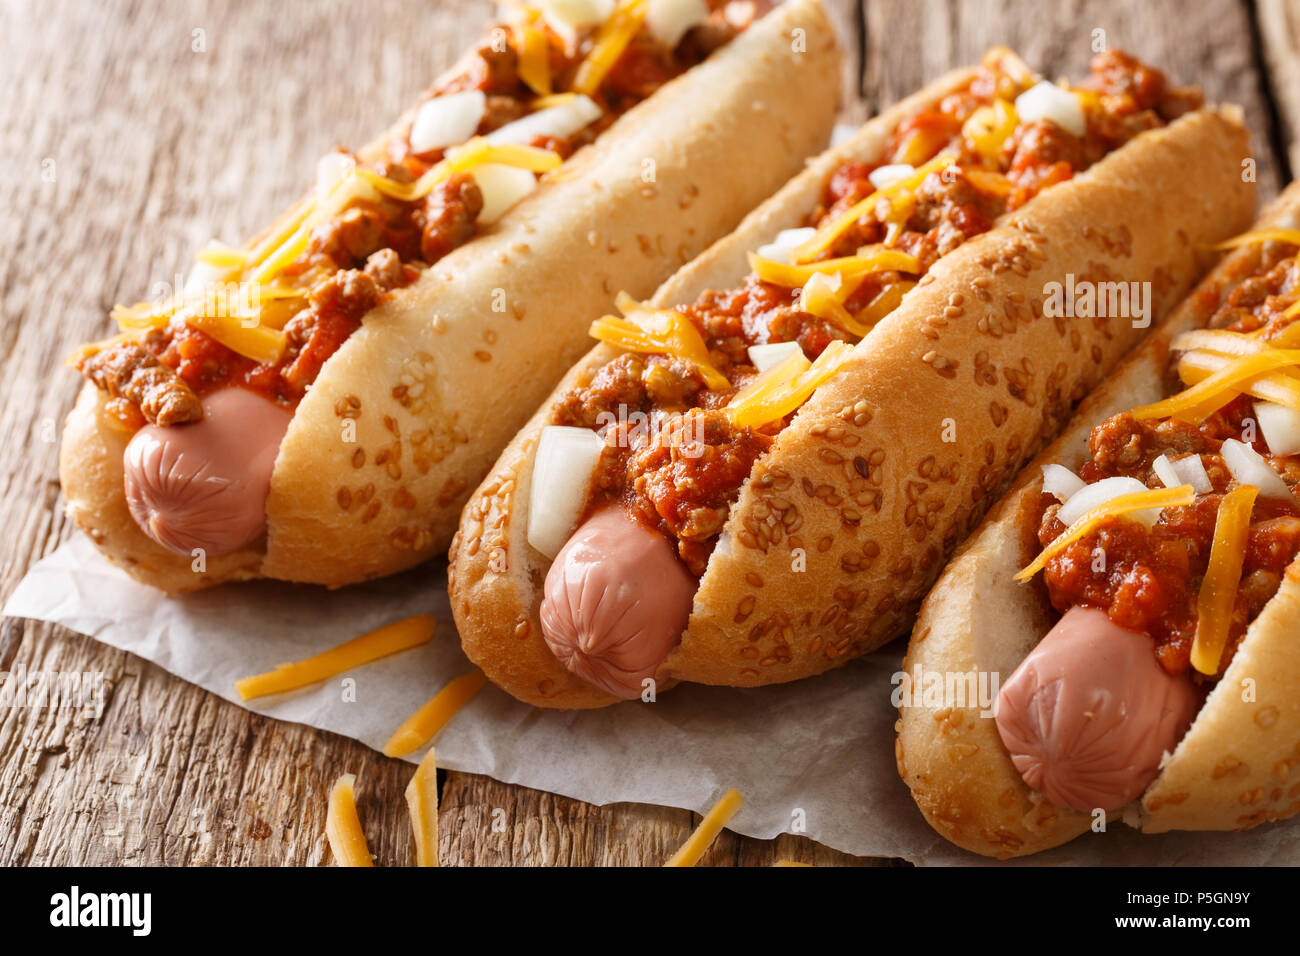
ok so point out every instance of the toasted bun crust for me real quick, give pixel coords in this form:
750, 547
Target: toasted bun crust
1231, 770
414, 407
862, 489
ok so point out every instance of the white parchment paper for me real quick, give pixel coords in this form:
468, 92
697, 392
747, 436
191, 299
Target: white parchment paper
823, 746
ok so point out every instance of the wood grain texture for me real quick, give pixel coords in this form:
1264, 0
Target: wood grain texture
154, 147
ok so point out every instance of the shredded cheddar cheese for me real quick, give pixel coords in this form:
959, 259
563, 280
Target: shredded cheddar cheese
221, 256
1119, 505
990, 126
865, 262
663, 331
258, 343
399, 636
825, 237
699, 842
534, 57
827, 302
1218, 389
790, 863
422, 802
343, 827
611, 40
1218, 594
474, 153
418, 729
1291, 236
784, 387
1196, 366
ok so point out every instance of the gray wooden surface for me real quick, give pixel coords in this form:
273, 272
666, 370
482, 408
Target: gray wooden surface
133, 131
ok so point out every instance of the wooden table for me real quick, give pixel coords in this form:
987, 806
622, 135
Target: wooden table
134, 131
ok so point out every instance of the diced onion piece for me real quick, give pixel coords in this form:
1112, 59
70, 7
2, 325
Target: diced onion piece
883, 176
1048, 101
200, 278
447, 120
1281, 427
774, 353
668, 20
1100, 492
1166, 472
559, 121
330, 170
1249, 468
1191, 471
502, 186
1061, 482
778, 250
566, 458
568, 17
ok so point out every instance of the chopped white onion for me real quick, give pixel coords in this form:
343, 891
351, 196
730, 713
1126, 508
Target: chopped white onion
330, 170
774, 353
1061, 482
1191, 471
882, 176
201, 277
502, 186
559, 121
568, 17
1249, 468
1166, 472
778, 250
447, 120
1048, 101
668, 20
562, 470
1100, 492
1281, 427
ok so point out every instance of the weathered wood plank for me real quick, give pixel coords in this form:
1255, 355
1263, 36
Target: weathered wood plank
1277, 25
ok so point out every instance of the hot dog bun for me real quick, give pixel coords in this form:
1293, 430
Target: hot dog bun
444, 371
862, 482
1231, 770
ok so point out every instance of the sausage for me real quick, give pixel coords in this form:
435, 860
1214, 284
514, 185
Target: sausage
616, 602
205, 485
1089, 713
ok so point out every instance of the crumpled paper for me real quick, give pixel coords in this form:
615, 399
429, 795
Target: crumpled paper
816, 754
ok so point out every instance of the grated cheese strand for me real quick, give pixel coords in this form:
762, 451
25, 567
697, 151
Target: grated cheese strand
399, 636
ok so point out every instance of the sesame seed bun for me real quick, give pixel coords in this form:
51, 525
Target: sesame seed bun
861, 482
1233, 768
443, 372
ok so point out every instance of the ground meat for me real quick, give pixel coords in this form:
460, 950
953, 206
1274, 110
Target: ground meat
500, 111
351, 237
130, 371
495, 71
950, 210
616, 385
447, 216
685, 478
385, 269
